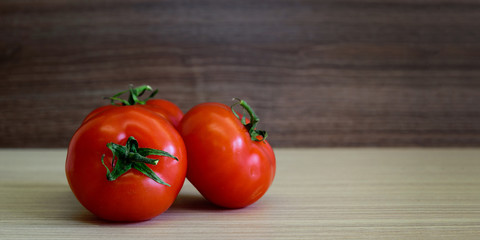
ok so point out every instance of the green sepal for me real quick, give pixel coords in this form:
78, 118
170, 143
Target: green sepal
131, 156
133, 98
151, 151
143, 168
120, 168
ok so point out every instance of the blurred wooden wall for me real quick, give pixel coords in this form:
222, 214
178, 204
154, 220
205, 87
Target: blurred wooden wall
318, 73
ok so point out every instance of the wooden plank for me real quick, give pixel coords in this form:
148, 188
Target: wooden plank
318, 73
317, 194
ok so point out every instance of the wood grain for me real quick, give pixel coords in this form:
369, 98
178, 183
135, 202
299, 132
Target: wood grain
317, 194
319, 73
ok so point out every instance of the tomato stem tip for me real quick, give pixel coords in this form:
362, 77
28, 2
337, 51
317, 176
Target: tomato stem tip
255, 135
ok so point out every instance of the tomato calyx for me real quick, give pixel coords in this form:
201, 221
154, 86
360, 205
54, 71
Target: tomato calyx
133, 98
131, 156
255, 135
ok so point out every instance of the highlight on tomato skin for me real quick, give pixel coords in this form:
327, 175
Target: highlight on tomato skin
126, 163
166, 109
230, 162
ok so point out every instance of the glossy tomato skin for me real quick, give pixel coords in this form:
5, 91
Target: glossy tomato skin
132, 196
224, 164
162, 107
167, 109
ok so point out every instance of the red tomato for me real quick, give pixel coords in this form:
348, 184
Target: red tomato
229, 163
164, 108
131, 186
99, 110
167, 109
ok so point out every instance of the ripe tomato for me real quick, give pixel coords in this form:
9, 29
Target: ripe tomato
164, 108
111, 166
229, 162
167, 109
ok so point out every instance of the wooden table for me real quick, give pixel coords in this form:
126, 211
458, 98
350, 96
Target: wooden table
317, 194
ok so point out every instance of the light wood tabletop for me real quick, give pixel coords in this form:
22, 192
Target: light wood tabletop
362, 193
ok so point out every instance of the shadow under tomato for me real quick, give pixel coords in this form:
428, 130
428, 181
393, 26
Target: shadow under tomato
89, 218
185, 202
193, 202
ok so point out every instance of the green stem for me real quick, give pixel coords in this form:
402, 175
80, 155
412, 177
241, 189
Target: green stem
133, 98
131, 156
252, 126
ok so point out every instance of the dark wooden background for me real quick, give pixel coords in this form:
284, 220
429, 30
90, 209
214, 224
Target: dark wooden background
319, 73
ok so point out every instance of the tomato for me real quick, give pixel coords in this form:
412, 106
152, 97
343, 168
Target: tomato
167, 109
164, 108
229, 162
126, 163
